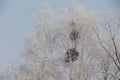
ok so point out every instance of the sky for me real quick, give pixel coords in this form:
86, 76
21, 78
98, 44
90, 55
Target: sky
16, 23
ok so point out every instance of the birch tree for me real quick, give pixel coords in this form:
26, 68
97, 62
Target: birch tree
75, 45
107, 34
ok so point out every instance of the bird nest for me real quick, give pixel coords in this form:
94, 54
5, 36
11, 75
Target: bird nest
71, 55
74, 35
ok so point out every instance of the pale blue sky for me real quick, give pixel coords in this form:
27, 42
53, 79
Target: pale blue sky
15, 23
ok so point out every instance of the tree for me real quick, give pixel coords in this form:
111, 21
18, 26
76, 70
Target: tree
70, 47
109, 43
54, 38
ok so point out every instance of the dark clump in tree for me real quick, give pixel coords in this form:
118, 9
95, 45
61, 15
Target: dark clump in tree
74, 35
72, 55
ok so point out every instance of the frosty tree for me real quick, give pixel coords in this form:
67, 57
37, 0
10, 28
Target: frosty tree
71, 46
63, 41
